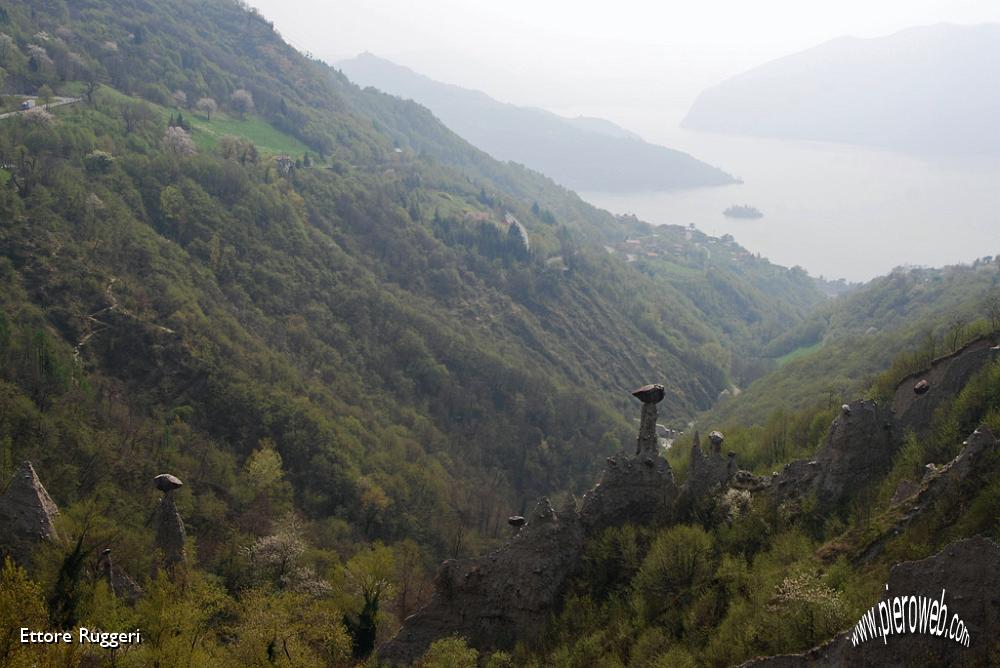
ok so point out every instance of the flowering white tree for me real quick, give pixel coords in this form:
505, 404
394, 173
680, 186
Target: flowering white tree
39, 54
177, 140
39, 116
207, 106
242, 101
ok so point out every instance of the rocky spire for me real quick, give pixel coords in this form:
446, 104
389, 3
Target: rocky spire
170, 534
716, 439
708, 472
649, 395
121, 584
27, 515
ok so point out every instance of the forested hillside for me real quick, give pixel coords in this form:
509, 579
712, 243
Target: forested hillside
346, 330
837, 352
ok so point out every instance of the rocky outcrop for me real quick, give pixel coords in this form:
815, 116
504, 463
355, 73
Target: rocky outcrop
640, 490
918, 395
708, 473
941, 480
858, 451
27, 515
864, 438
170, 532
496, 600
121, 583
748, 482
939, 484
968, 571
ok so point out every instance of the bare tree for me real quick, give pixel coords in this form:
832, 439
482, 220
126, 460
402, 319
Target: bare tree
993, 310
956, 328
92, 84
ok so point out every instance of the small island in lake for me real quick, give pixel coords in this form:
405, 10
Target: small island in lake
743, 211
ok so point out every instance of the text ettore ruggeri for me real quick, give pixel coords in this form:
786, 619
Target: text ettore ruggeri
83, 636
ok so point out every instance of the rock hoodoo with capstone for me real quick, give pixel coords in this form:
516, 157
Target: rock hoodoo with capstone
507, 596
166, 482
649, 395
170, 532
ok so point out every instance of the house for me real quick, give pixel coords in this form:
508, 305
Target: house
28, 104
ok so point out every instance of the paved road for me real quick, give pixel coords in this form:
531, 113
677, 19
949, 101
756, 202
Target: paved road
56, 102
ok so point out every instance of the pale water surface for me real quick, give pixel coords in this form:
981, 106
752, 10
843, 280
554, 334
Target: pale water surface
839, 211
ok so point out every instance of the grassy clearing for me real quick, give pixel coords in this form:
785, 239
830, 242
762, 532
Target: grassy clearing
799, 352
206, 134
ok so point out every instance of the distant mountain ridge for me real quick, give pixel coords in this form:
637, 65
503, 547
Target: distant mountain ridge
928, 90
582, 153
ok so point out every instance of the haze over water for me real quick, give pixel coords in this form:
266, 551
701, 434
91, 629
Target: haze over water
838, 210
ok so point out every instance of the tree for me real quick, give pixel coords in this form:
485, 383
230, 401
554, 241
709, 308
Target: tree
7, 45
137, 116
370, 572
232, 147
39, 116
92, 84
45, 94
98, 162
678, 565
178, 141
38, 57
410, 576
449, 653
993, 310
807, 609
275, 559
207, 106
242, 102
66, 595
180, 98
20, 605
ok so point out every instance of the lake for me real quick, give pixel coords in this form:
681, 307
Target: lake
837, 210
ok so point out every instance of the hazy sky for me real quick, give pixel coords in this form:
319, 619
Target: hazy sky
577, 53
